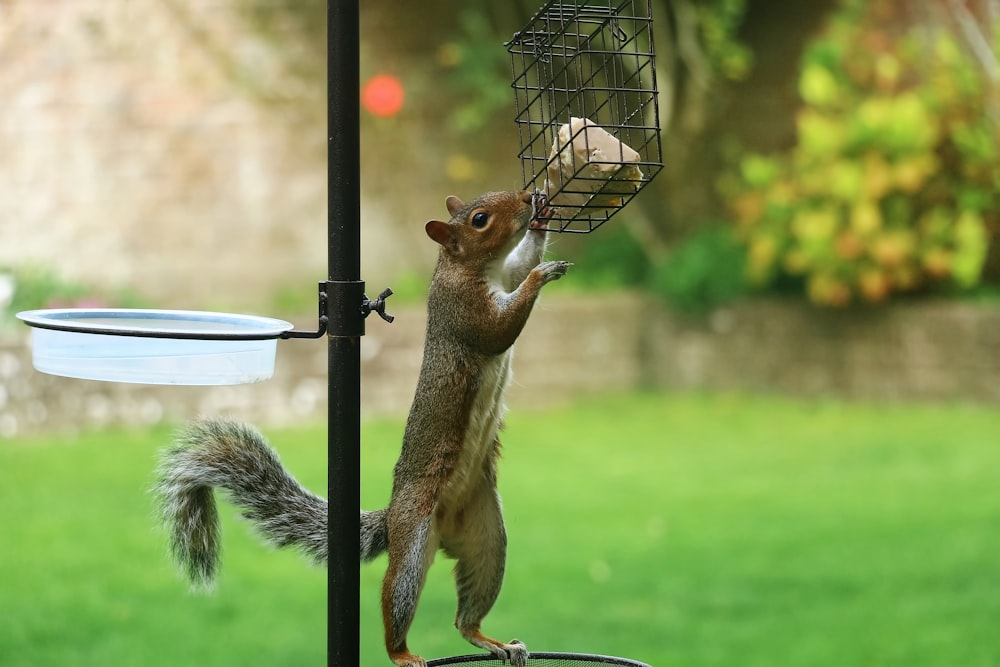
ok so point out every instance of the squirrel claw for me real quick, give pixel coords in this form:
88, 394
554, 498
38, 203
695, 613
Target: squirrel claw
540, 211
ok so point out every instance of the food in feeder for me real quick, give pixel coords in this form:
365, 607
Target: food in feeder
589, 167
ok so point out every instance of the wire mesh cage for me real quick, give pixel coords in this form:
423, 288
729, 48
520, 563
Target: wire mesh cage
540, 660
585, 99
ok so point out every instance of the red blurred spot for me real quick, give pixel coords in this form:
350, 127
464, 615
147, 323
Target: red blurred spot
382, 95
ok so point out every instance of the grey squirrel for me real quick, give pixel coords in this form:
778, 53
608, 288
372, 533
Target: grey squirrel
444, 496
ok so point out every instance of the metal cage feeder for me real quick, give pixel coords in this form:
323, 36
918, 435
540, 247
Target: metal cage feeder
586, 110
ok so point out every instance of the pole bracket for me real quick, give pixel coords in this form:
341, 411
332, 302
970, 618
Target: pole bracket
324, 319
348, 304
378, 306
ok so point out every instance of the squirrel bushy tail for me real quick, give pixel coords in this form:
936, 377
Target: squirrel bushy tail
235, 457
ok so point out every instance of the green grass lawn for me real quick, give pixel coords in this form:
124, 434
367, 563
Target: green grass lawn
678, 530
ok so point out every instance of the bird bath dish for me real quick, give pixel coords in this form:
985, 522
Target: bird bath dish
154, 346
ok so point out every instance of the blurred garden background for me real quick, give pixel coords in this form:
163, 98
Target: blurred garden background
757, 423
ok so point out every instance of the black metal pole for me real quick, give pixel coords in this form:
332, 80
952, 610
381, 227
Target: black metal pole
346, 294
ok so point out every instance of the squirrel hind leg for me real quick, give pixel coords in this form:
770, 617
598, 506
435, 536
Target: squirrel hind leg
410, 557
479, 576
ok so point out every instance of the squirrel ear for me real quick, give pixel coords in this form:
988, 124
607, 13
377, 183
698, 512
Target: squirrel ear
443, 234
454, 204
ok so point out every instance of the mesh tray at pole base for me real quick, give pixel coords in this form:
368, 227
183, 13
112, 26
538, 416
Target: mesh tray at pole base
540, 660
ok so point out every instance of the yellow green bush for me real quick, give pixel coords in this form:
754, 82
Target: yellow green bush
893, 184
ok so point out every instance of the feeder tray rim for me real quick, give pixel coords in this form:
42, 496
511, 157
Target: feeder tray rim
185, 323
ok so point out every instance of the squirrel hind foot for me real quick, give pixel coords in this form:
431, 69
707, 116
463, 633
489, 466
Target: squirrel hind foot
516, 653
407, 659
513, 652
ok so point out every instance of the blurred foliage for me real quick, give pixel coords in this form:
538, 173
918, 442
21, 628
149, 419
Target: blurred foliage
718, 24
612, 258
704, 271
478, 71
34, 287
894, 182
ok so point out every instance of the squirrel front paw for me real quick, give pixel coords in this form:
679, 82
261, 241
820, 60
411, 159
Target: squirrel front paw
540, 211
553, 270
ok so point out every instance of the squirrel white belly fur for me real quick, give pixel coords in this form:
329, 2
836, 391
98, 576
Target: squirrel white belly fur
488, 276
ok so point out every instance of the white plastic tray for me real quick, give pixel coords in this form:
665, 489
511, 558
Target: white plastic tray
154, 346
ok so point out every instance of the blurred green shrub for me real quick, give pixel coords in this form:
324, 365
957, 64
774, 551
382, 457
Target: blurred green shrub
704, 271
33, 287
36, 287
479, 71
895, 178
610, 258
718, 24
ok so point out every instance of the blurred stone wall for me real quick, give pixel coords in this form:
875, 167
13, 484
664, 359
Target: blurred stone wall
136, 154
915, 351
574, 346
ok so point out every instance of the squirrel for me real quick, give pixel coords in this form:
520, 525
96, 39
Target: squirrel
444, 493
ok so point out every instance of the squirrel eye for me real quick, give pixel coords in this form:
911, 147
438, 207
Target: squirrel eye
480, 220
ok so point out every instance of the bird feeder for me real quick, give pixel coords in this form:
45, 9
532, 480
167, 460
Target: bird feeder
585, 101
586, 110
